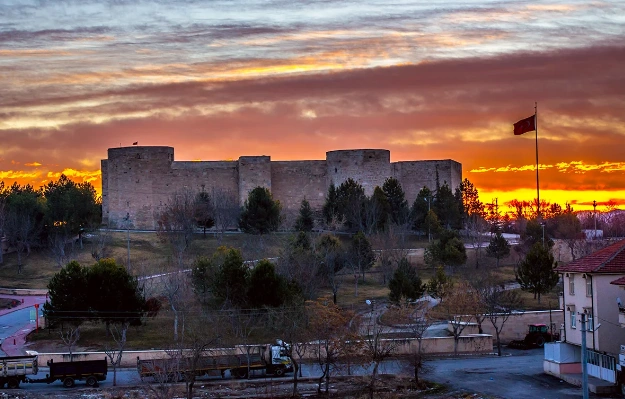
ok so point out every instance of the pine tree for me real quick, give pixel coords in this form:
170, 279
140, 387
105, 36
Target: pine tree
261, 213
405, 284
536, 273
395, 197
305, 221
498, 247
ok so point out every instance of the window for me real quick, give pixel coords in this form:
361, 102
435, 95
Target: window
588, 285
572, 284
571, 310
590, 322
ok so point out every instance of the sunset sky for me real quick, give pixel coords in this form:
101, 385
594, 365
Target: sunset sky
294, 79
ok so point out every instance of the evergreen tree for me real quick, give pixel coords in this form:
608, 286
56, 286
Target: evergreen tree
447, 250
261, 213
439, 284
377, 211
351, 200
266, 288
69, 298
536, 272
204, 211
330, 208
231, 278
420, 208
405, 283
305, 221
498, 247
397, 204
448, 207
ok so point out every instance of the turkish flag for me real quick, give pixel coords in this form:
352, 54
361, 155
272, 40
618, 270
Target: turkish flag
525, 125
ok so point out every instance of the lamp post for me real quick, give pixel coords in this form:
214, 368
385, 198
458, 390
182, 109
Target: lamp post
594, 207
542, 224
127, 220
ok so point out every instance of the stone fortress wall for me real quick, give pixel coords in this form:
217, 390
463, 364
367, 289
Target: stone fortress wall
138, 181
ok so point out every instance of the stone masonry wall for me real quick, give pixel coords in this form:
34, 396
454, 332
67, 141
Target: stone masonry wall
137, 181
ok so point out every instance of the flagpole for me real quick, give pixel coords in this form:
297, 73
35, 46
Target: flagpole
537, 185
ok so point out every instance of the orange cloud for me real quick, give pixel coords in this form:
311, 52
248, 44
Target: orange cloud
86, 176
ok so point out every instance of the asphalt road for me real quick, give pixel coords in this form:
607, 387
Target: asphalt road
12, 323
517, 375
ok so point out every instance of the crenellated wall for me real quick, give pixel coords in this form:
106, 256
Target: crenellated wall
138, 181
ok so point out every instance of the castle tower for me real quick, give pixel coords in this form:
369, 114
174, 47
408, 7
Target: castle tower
370, 168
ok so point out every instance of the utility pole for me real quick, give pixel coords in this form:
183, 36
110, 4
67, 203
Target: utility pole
429, 206
594, 206
584, 358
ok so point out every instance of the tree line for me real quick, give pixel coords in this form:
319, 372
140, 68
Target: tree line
48, 217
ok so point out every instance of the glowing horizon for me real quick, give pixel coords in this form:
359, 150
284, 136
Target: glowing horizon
294, 80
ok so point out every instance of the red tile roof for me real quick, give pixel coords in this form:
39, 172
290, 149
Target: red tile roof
620, 281
608, 260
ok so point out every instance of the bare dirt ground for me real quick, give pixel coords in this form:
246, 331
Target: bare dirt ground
389, 387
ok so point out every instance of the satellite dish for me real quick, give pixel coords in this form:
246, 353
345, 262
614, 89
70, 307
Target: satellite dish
368, 302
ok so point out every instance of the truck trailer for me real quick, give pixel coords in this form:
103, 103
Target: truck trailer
240, 361
17, 369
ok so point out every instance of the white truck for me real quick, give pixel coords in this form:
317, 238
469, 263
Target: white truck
16, 369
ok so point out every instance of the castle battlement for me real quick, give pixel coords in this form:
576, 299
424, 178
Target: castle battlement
139, 180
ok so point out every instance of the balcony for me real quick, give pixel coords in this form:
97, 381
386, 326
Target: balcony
621, 316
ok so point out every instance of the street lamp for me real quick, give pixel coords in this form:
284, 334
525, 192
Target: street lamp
542, 224
127, 220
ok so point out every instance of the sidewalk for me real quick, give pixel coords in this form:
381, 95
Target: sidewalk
14, 344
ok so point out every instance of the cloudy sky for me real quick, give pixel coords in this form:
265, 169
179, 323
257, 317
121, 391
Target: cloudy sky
293, 79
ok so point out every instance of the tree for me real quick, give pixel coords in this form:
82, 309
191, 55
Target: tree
536, 272
203, 276
569, 229
177, 222
299, 263
329, 325
115, 352
474, 216
498, 247
204, 211
361, 254
499, 305
332, 261
226, 208
231, 278
420, 208
351, 202
24, 220
114, 295
265, 287
448, 207
405, 286
396, 199
458, 304
3, 209
439, 284
447, 251
68, 294
330, 208
305, 221
376, 210
261, 213
70, 208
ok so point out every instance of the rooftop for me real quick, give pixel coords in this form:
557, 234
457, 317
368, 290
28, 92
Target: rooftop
608, 260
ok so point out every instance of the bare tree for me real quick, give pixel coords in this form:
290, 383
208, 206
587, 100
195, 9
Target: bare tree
457, 306
390, 247
177, 223
226, 209
416, 316
100, 240
499, 304
57, 244
174, 284
3, 215
329, 325
376, 348
70, 335
114, 353
20, 232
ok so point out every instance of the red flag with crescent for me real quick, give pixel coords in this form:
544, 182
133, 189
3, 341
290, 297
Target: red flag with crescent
525, 125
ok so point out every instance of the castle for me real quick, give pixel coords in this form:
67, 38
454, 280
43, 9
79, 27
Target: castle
138, 181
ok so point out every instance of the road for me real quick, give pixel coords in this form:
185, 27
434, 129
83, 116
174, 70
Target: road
519, 375
515, 376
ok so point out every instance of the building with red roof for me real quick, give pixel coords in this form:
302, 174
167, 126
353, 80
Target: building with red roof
593, 287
